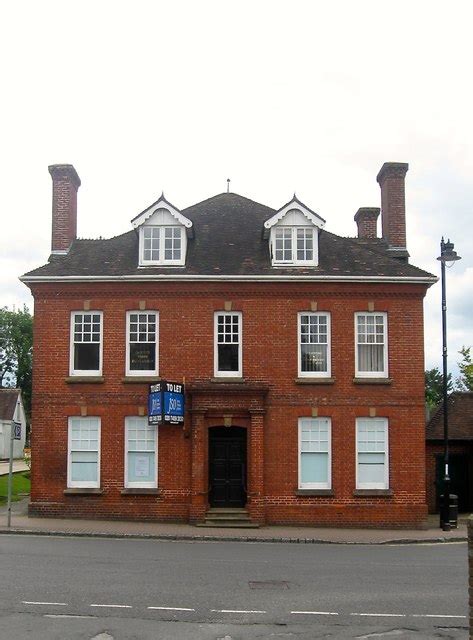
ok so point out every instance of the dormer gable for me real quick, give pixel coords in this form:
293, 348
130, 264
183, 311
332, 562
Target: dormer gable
293, 233
163, 233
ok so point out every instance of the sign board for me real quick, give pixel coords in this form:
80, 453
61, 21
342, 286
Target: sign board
173, 404
166, 403
16, 430
155, 403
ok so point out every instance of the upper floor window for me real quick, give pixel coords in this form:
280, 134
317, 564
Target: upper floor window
142, 343
83, 460
293, 245
314, 344
228, 344
315, 453
371, 345
86, 343
162, 245
372, 471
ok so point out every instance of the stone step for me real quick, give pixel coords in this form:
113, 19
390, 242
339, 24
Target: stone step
230, 524
227, 516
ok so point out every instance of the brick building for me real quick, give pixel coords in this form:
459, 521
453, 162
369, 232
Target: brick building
302, 354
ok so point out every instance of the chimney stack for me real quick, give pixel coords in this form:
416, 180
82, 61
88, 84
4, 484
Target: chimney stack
64, 228
393, 207
366, 219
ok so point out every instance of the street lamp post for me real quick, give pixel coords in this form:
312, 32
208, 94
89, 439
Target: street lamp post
447, 256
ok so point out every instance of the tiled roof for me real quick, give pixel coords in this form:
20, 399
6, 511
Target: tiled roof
227, 240
8, 400
460, 418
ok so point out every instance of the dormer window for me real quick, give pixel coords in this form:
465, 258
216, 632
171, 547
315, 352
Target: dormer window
163, 233
293, 245
162, 245
293, 234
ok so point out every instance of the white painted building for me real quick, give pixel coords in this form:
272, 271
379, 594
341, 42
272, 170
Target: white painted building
11, 408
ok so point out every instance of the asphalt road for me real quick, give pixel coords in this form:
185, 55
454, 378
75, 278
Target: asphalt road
112, 589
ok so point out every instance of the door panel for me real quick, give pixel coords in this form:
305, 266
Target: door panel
227, 466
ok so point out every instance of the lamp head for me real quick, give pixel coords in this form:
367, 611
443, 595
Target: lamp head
447, 254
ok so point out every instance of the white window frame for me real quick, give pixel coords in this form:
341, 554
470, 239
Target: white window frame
228, 374
135, 484
162, 261
85, 372
374, 485
142, 372
314, 374
294, 260
82, 483
372, 374
302, 422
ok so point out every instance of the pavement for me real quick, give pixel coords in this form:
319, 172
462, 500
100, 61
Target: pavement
18, 465
21, 523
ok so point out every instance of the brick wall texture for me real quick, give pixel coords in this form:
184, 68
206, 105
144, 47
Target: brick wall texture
267, 404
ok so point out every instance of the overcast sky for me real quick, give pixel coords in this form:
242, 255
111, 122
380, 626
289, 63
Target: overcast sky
280, 97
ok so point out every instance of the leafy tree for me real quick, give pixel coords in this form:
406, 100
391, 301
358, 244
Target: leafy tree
465, 381
16, 351
434, 387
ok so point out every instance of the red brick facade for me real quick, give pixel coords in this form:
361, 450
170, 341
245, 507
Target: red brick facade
267, 403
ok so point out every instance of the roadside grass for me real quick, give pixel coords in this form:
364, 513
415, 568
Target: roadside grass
20, 485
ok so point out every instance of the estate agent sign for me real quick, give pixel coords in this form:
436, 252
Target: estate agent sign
166, 403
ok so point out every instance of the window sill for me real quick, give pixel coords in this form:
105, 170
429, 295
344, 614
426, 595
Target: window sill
83, 491
314, 380
372, 380
383, 493
84, 379
222, 380
140, 379
315, 492
140, 491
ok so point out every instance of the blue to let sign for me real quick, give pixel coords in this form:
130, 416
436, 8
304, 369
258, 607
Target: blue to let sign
155, 403
166, 403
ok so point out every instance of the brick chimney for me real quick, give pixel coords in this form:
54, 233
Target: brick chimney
65, 185
366, 219
393, 207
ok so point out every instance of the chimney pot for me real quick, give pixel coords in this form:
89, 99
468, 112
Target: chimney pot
64, 218
366, 218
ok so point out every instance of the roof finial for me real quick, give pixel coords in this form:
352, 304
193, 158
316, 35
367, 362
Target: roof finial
295, 197
228, 185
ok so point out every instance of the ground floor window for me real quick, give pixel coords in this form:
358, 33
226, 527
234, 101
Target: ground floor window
83, 468
315, 453
372, 470
141, 442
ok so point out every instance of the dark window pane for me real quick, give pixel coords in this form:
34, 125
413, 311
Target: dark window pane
142, 357
86, 357
228, 357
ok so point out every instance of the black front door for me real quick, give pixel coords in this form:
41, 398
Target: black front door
227, 467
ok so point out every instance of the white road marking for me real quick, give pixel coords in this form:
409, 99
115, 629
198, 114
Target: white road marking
171, 608
315, 613
382, 615
113, 606
67, 615
236, 611
434, 615
54, 604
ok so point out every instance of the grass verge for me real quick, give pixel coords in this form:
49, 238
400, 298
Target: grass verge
20, 485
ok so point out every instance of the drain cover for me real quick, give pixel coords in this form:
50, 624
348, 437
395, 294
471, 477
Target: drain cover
269, 584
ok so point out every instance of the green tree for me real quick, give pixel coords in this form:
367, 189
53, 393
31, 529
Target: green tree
465, 381
434, 387
16, 351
